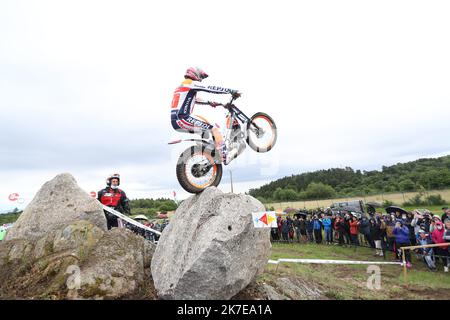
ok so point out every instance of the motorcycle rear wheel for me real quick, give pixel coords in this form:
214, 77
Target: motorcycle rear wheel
196, 169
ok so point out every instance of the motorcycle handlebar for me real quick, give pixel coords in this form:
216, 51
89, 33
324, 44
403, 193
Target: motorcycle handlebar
227, 105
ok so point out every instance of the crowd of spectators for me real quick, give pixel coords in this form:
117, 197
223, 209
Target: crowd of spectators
384, 232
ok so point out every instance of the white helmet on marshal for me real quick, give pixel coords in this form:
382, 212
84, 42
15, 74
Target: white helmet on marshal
112, 176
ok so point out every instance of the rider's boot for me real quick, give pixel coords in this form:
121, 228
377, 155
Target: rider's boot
231, 155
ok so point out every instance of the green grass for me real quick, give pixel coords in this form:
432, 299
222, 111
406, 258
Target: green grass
350, 281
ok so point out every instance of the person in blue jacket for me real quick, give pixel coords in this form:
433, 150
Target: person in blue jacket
328, 227
402, 239
317, 225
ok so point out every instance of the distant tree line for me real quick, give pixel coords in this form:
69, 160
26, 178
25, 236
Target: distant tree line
419, 175
10, 217
150, 207
147, 207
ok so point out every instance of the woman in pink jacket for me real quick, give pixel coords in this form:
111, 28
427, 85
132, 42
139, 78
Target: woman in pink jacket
438, 237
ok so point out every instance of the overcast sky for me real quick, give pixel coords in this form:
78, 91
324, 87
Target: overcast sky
86, 86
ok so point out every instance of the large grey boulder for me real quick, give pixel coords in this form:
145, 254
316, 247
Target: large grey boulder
210, 249
59, 202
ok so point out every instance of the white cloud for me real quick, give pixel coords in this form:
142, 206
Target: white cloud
87, 85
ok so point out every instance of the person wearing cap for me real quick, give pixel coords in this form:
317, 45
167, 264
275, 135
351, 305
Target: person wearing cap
434, 219
115, 198
427, 253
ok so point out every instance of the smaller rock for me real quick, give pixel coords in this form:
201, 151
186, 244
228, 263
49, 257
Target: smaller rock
59, 202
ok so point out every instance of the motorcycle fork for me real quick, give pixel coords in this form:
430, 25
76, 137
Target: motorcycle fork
230, 120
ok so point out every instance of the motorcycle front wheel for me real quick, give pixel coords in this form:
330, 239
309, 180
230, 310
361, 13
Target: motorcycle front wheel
261, 132
196, 169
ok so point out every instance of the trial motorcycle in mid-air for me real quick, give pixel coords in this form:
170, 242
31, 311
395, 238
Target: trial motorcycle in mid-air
200, 165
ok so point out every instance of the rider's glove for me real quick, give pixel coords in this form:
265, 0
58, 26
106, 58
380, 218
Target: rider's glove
235, 94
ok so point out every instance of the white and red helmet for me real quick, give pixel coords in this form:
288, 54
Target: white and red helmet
195, 74
113, 176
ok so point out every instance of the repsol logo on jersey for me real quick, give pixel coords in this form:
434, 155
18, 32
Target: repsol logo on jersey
197, 123
188, 100
219, 89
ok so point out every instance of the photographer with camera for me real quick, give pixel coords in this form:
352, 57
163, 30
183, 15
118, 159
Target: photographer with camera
427, 253
421, 221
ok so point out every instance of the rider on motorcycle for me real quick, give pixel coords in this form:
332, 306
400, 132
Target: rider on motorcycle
183, 103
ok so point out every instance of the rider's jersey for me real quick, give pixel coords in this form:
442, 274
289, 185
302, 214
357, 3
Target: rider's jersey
184, 97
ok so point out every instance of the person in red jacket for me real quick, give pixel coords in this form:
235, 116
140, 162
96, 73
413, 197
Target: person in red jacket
354, 230
438, 237
115, 198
